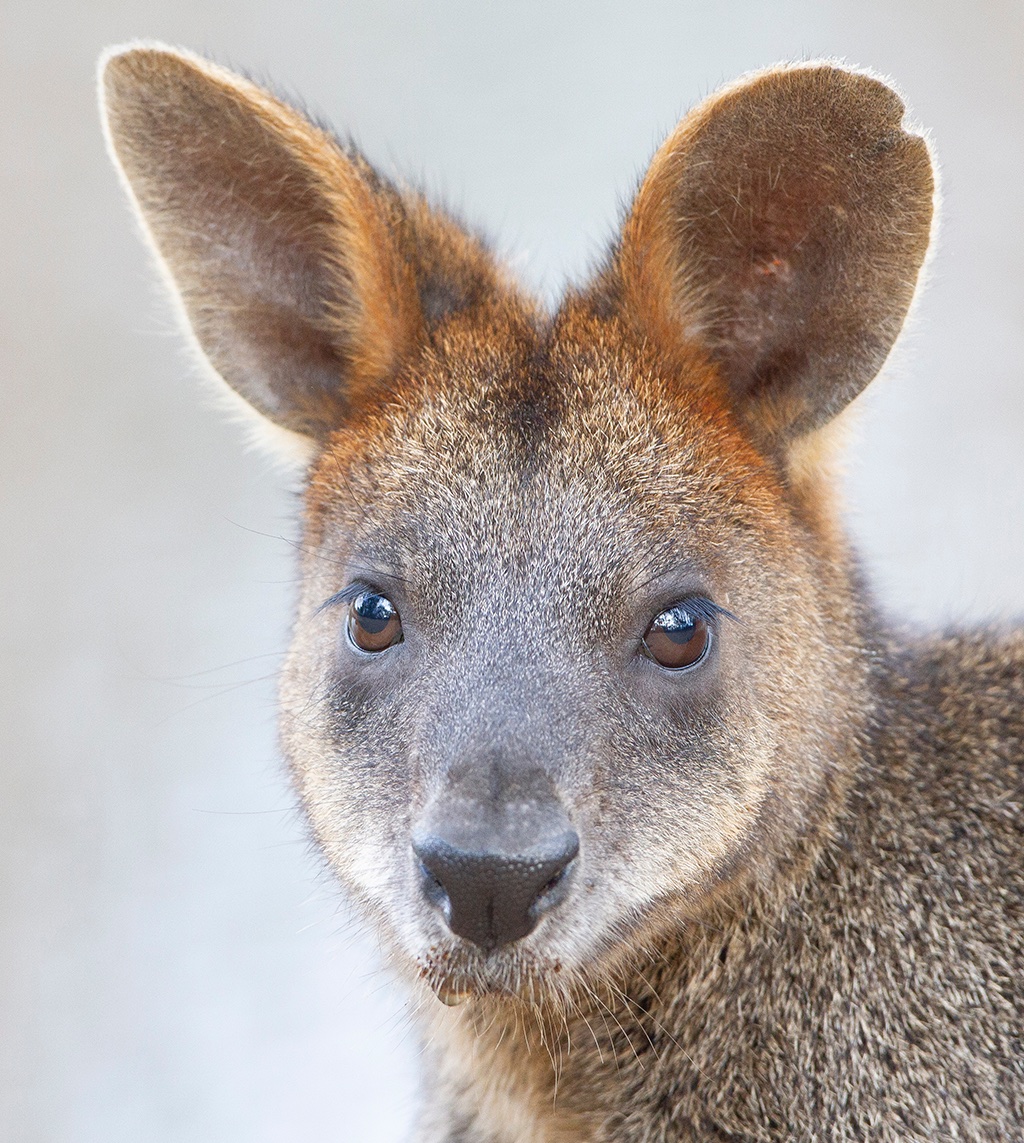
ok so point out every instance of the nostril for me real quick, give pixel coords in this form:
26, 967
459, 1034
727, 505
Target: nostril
428, 876
553, 891
434, 890
555, 881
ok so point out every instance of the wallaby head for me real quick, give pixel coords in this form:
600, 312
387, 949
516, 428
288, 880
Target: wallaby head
578, 650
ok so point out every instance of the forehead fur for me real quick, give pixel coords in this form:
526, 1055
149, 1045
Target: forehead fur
571, 421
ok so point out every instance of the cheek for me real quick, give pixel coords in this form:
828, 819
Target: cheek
345, 736
687, 772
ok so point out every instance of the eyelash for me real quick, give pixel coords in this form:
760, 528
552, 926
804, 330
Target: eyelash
702, 607
347, 595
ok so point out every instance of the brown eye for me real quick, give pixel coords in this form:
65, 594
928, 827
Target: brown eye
677, 638
373, 622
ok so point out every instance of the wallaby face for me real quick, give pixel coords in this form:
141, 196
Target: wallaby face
528, 533
581, 670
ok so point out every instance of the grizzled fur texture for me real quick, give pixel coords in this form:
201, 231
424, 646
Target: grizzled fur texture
796, 909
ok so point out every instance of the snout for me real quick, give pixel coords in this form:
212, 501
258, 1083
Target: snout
490, 896
494, 848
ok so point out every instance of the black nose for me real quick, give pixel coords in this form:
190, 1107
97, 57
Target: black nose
493, 899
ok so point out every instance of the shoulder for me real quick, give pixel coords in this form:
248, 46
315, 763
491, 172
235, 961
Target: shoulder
941, 796
951, 707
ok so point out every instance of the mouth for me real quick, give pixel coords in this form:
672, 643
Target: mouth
550, 963
549, 968
457, 972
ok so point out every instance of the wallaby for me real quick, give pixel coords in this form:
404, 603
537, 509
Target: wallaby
587, 704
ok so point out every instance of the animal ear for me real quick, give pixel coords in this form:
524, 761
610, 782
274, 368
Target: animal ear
782, 228
279, 243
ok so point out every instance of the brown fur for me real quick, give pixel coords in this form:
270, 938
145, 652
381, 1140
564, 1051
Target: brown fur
796, 913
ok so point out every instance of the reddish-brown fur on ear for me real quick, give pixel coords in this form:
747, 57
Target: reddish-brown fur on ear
274, 240
782, 228
306, 277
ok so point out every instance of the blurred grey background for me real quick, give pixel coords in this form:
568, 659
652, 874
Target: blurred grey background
174, 965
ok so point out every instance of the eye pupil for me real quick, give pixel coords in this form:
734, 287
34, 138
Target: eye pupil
373, 623
375, 611
677, 625
677, 638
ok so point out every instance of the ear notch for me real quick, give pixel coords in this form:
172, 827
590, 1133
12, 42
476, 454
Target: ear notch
782, 228
279, 246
